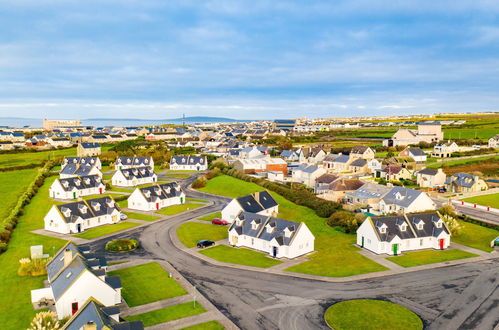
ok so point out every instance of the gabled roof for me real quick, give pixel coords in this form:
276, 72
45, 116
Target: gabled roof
88, 145
137, 172
369, 190
462, 179
135, 161
416, 152
359, 149
80, 182
257, 202
161, 192
87, 209
401, 196
428, 171
188, 160
359, 162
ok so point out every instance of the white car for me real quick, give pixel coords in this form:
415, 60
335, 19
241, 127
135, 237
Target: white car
123, 216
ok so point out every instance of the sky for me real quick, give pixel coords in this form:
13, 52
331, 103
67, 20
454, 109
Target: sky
254, 59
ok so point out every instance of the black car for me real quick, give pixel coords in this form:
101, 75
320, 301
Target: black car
205, 243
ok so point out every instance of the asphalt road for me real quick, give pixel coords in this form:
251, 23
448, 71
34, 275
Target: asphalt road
457, 297
471, 212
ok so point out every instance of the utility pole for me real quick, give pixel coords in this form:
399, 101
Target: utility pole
183, 120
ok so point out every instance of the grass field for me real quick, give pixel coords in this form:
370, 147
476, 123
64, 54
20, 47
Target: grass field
476, 236
240, 256
147, 283
491, 200
167, 314
16, 290
210, 217
469, 133
106, 229
14, 184
190, 233
417, 258
335, 257
211, 325
122, 204
140, 216
371, 314
175, 209
196, 200
125, 190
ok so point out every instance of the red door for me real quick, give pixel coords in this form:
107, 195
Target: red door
100, 191
74, 308
442, 241
157, 206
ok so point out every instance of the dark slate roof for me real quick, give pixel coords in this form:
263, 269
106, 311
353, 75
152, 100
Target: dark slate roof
79, 183
359, 149
137, 172
307, 168
462, 179
188, 160
57, 263
416, 152
114, 282
359, 162
393, 227
326, 178
257, 202
88, 145
68, 276
87, 209
369, 190
342, 159
134, 161
429, 220
401, 196
428, 171
161, 192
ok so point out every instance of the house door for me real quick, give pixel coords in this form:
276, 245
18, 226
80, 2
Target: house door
197, 167
362, 241
100, 191
234, 240
395, 248
441, 243
157, 206
74, 194
74, 308
78, 228
115, 218
181, 200
274, 251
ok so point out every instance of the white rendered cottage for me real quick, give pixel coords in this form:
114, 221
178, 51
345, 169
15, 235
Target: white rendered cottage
132, 177
75, 187
78, 216
74, 276
277, 237
132, 162
84, 169
188, 163
156, 197
82, 161
405, 200
260, 202
408, 232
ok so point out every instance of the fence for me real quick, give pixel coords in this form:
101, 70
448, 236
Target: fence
476, 206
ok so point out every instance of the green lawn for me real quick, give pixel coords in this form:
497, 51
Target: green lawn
14, 184
371, 314
190, 233
469, 133
107, 176
336, 254
167, 314
240, 256
196, 200
476, 236
178, 176
25, 158
140, 216
211, 325
125, 190
175, 209
122, 204
147, 283
458, 162
106, 229
210, 217
417, 258
16, 290
491, 200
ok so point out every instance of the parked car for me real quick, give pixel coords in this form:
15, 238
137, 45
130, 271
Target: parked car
218, 221
205, 243
441, 190
123, 216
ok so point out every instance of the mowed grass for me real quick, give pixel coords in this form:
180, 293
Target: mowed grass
336, 254
476, 236
212, 216
190, 233
211, 325
175, 209
196, 200
25, 158
371, 314
140, 216
491, 200
167, 314
16, 311
105, 229
14, 184
147, 283
240, 256
417, 258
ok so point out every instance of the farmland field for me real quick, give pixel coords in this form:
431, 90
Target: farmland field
14, 184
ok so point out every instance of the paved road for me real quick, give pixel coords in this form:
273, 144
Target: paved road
457, 297
471, 212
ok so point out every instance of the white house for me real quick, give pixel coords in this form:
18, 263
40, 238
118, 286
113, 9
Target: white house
408, 232
75, 275
79, 169
260, 202
156, 197
415, 153
249, 153
429, 178
78, 216
405, 200
368, 195
84, 160
88, 149
123, 163
494, 141
188, 163
277, 237
75, 187
307, 174
444, 149
135, 176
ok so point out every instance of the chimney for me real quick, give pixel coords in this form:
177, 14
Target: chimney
257, 196
90, 326
68, 257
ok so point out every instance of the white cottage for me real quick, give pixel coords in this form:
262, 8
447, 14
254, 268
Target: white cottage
405, 200
156, 197
75, 187
123, 163
260, 202
134, 176
72, 218
277, 237
188, 163
408, 232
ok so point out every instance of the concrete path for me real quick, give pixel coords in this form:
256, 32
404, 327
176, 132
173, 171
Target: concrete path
381, 259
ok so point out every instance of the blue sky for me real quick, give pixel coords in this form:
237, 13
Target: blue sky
247, 59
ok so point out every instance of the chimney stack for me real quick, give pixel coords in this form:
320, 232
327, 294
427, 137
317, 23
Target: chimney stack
257, 196
68, 257
90, 326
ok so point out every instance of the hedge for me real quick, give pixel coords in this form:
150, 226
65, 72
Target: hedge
122, 245
20, 167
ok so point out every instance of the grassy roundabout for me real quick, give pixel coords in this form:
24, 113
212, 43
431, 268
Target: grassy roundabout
371, 314
122, 245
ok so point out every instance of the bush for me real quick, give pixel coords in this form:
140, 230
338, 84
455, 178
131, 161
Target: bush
199, 182
344, 219
32, 267
45, 320
122, 245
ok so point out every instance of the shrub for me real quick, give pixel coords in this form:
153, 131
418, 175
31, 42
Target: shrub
32, 267
45, 320
199, 182
344, 219
122, 245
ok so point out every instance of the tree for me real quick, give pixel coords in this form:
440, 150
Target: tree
345, 219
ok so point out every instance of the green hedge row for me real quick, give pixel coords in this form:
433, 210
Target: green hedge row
20, 167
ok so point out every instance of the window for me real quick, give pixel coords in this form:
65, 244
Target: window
252, 241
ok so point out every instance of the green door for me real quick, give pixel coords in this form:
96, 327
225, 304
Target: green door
362, 241
74, 194
395, 249
181, 200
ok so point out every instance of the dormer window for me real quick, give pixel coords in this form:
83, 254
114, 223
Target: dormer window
382, 230
65, 184
77, 182
420, 226
438, 224
110, 203
254, 225
96, 206
82, 208
403, 227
